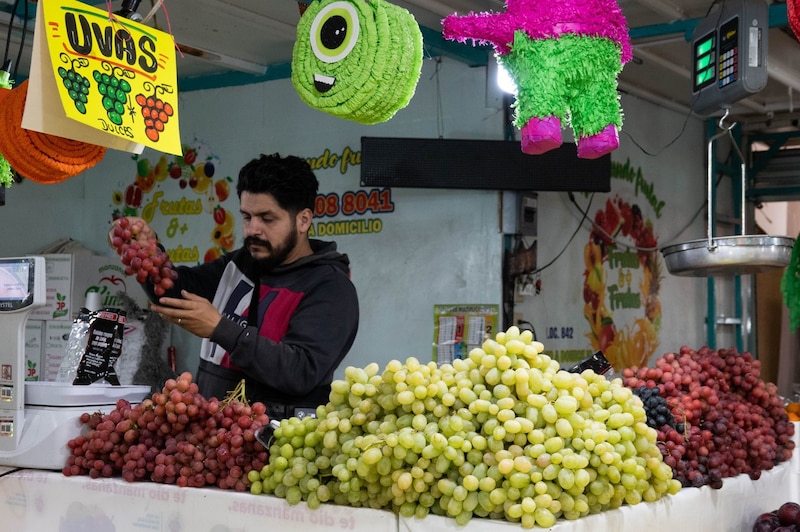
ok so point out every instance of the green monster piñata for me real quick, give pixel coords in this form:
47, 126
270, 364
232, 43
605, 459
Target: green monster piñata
358, 59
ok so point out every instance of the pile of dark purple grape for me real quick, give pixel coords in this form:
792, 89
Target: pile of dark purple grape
784, 519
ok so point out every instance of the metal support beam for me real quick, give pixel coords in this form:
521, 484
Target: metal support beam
437, 46
778, 18
434, 44
777, 141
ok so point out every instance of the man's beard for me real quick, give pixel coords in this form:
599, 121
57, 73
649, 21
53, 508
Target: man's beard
277, 254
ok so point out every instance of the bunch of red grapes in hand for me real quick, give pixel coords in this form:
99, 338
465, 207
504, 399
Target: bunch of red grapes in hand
141, 255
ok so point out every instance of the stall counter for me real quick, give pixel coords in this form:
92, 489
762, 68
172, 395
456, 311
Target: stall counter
36, 500
733, 508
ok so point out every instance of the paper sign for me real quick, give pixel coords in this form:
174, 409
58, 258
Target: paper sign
112, 74
43, 110
457, 329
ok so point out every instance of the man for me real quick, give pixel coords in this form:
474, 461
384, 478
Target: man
280, 312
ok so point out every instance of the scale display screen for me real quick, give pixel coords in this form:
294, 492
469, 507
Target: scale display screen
705, 61
16, 283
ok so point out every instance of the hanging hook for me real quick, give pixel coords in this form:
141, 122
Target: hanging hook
722, 120
726, 131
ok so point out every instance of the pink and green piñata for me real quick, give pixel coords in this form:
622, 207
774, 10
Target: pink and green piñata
564, 56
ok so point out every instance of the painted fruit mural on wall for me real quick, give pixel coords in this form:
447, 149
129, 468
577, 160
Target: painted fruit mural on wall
187, 189
621, 284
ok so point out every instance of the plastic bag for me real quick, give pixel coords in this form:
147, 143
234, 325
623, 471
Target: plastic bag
103, 348
76, 346
597, 363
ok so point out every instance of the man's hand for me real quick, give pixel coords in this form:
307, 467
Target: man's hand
193, 313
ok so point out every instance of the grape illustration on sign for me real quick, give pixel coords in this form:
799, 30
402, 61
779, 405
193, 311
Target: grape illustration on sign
175, 194
114, 74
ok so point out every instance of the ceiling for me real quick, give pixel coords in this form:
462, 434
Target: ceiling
234, 42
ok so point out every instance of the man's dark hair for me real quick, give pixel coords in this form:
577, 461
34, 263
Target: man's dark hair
288, 179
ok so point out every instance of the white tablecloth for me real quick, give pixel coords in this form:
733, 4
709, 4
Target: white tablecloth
46, 501
36, 501
39, 501
730, 509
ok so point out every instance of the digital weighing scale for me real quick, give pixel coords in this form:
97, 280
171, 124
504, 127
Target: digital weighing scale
37, 419
730, 62
729, 55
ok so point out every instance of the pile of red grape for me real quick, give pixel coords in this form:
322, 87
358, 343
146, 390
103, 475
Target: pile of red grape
731, 422
141, 255
176, 437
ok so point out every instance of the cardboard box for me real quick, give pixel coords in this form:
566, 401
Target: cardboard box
56, 337
34, 336
70, 277
105, 275
58, 278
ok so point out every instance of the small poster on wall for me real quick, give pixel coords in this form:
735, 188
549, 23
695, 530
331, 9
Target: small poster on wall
457, 329
110, 73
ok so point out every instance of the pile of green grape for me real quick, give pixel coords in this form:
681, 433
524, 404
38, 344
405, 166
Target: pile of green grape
115, 94
503, 434
77, 87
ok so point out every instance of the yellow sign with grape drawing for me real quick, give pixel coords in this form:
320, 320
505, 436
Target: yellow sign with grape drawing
114, 74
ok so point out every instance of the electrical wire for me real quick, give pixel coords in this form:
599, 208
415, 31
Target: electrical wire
526, 323
10, 27
571, 238
691, 103
710, 7
603, 232
439, 117
22, 40
11, 471
668, 144
22, 37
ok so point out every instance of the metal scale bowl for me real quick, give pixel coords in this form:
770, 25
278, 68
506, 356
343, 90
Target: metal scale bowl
729, 255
